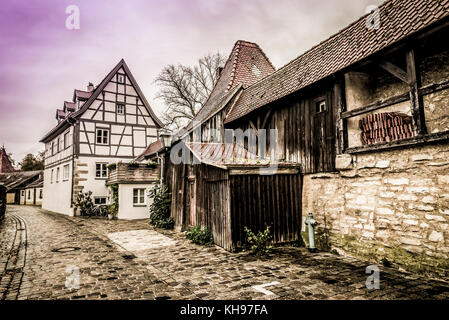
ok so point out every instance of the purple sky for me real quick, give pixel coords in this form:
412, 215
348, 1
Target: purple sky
41, 62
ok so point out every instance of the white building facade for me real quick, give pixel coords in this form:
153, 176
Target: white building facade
107, 124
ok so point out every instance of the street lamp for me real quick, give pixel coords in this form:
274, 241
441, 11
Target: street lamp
166, 140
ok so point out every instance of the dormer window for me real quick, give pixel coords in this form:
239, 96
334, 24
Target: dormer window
120, 108
120, 78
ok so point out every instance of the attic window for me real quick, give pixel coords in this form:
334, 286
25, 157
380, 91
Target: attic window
120, 109
256, 71
120, 78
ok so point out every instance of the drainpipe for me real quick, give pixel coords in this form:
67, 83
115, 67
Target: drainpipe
311, 223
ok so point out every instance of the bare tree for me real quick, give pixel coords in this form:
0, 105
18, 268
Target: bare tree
185, 89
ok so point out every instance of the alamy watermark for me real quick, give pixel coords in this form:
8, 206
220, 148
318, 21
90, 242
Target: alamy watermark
373, 280
250, 147
372, 21
72, 22
72, 280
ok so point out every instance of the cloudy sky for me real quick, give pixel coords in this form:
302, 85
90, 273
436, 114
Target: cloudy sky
41, 61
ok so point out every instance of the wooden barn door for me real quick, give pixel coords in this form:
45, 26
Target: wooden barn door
192, 202
258, 202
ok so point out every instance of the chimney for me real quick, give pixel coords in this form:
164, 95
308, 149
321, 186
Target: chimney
90, 87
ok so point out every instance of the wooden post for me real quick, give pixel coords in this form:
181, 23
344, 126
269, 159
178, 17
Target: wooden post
419, 126
340, 105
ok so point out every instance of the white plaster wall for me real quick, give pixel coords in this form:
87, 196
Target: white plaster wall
58, 195
126, 208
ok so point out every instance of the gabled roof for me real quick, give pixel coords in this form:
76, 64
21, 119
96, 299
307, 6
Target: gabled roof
153, 148
94, 94
398, 19
246, 64
81, 94
5, 164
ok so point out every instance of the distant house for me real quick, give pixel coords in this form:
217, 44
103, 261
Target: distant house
34, 192
110, 123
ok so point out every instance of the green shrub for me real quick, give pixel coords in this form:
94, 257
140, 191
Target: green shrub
86, 206
133, 165
151, 165
199, 235
160, 208
260, 243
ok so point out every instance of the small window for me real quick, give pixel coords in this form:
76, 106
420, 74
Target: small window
59, 145
29, 195
139, 197
120, 109
121, 78
51, 176
66, 140
101, 170
102, 136
100, 200
321, 106
57, 174
65, 172
52, 148
40, 194
23, 193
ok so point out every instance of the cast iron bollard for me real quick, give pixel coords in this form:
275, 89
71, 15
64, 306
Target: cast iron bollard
311, 223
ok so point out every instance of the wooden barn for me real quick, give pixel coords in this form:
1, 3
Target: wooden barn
225, 188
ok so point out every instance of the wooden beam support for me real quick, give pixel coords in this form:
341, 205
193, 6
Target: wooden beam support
254, 127
340, 106
377, 105
395, 71
265, 120
419, 125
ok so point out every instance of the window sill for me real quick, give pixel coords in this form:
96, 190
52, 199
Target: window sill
139, 205
419, 140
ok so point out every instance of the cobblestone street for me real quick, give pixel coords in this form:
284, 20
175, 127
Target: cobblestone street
129, 260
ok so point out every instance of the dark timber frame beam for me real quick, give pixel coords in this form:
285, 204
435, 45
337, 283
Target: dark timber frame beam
415, 99
395, 71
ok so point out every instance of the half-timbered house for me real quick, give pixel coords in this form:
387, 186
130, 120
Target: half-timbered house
110, 123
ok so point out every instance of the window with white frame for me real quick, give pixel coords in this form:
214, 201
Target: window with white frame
101, 170
99, 200
66, 140
51, 176
120, 78
102, 136
139, 197
40, 194
65, 172
57, 174
120, 108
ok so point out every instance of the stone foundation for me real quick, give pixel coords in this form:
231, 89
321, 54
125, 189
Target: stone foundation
390, 206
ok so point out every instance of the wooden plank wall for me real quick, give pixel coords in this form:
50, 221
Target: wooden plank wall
305, 136
261, 201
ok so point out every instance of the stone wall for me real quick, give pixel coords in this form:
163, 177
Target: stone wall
390, 206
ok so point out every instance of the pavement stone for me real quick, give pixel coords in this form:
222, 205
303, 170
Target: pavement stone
118, 259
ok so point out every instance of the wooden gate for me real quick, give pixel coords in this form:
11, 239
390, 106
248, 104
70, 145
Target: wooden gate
259, 201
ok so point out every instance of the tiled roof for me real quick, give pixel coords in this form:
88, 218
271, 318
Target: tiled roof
5, 164
246, 64
398, 19
60, 114
17, 179
153, 148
